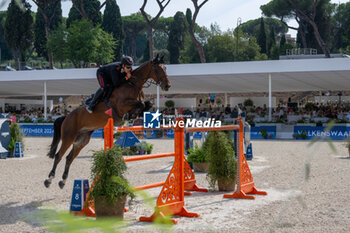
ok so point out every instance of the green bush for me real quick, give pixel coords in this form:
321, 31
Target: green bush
263, 132
248, 102
222, 163
141, 146
149, 148
107, 171
169, 103
27, 120
309, 106
16, 136
197, 155
303, 134
11, 145
127, 151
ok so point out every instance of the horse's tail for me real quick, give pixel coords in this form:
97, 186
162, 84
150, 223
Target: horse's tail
56, 136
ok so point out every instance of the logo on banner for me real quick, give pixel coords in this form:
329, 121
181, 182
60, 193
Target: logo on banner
151, 120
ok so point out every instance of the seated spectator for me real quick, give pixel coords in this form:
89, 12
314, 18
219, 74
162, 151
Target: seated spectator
281, 113
228, 109
348, 116
234, 113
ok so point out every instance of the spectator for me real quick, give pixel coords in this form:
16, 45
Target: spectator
348, 116
228, 109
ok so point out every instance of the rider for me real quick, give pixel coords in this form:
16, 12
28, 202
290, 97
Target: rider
109, 77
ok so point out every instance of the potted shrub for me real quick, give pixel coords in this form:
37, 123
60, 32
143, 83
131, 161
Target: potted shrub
198, 157
111, 188
248, 103
263, 133
222, 164
141, 147
169, 103
133, 150
149, 148
303, 135
16, 136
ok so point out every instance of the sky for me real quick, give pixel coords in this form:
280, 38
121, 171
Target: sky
223, 12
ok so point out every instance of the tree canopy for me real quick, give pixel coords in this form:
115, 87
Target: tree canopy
19, 28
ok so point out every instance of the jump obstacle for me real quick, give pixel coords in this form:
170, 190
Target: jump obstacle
181, 178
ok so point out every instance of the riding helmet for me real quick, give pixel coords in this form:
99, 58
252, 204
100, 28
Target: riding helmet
126, 60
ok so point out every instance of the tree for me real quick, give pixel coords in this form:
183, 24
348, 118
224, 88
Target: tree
81, 42
113, 23
262, 36
48, 17
18, 28
151, 22
283, 10
192, 23
323, 21
283, 45
6, 53
307, 12
304, 11
106, 44
57, 44
221, 48
252, 27
85, 9
176, 37
161, 32
341, 29
190, 53
133, 26
146, 53
39, 36
271, 41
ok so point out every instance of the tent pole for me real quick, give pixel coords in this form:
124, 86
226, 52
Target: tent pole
45, 101
270, 99
157, 97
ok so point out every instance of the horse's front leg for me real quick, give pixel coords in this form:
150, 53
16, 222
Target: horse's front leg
148, 106
134, 106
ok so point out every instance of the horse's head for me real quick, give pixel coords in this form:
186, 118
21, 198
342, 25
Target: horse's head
159, 74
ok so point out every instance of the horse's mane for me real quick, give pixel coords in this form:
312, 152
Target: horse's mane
135, 71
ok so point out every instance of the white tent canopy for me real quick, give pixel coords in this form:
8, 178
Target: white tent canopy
230, 77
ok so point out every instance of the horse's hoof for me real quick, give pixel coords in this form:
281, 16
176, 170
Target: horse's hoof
61, 184
47, 183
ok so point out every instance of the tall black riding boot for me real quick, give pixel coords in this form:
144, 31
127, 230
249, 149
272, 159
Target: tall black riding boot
94, 100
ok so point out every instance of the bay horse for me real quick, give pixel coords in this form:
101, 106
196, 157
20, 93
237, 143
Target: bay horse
76, 128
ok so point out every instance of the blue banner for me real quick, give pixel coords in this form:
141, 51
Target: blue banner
258, 132
197, 135
263, 132
46, 130
309, 132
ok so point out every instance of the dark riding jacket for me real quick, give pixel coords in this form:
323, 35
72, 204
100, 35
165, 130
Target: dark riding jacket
111, 75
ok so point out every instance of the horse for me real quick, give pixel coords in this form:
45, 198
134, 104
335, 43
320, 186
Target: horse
76, 128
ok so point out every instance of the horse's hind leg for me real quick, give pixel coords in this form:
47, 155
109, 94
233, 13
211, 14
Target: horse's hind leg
67, 141
80, 142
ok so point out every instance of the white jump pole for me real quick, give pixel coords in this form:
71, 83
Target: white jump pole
157, 97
